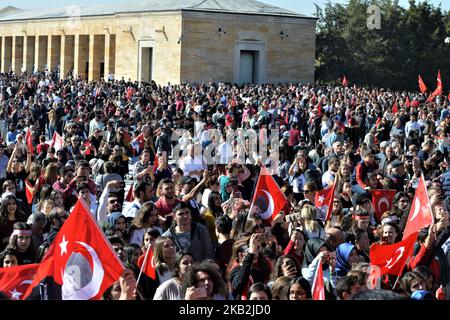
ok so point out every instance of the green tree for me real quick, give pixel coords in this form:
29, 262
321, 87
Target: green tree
410, 42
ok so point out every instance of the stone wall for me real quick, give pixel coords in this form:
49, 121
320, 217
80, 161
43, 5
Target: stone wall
186, 45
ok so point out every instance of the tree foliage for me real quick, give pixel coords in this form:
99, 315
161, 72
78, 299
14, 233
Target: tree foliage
409, 42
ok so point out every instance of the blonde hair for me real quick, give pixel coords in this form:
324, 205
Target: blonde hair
308, 213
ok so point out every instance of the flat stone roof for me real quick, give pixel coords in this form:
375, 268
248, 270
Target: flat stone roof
224, 6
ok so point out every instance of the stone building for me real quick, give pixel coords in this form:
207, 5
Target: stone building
166, 41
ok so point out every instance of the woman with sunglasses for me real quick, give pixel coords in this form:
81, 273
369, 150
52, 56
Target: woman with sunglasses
18, 173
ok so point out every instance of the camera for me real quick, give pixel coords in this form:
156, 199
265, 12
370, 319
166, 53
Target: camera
293, 217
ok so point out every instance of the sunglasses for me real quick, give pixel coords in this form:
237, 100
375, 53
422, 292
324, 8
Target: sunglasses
113, 201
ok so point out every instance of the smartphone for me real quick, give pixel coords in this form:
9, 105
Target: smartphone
202, 292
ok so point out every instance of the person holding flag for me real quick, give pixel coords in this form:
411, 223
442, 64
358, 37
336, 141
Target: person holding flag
80, 264
317, 256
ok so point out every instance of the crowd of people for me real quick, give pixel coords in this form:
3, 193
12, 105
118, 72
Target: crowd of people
195, 215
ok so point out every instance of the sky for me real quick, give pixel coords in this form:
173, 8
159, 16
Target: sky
300, 6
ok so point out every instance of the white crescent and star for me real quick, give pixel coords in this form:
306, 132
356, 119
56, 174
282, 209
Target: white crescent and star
321, 199
15, 294
268, 213
381, 201
389, 263
418, 208
93, 287
63, 245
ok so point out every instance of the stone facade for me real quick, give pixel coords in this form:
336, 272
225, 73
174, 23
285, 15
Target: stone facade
173, 46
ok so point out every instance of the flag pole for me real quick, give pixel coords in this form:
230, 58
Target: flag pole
428, 198
143, 265
395, 283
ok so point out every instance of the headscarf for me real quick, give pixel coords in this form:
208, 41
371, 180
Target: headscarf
313, 246
342, 254
113, 217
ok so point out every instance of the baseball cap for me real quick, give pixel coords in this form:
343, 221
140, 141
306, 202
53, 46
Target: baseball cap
187, 180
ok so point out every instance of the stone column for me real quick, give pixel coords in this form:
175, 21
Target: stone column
28, 53
17, 54
110, 54
6, 53
40, 49
67, 54
96, 53
1, 52
81, 56
53, 52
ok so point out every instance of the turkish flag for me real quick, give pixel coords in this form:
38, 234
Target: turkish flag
324, 200
286, 115
88, 146
423, 88
408, 103
420, 214
382, 201
28, 139
318, 287
57, 141
395, 108
344, 81
14, 281
29, 191
438, 90
268, 197
146, 263
378, 122
130, 197
80, 263
156, 162
319, 108
391, 258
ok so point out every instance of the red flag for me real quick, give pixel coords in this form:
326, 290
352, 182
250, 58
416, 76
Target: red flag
57, 141
423, 88
391, 258
344, 81
438, 90
130, 196
382, 201
408, 103
395, 108
318, 287
286, 114
29, 191
420, 214
319, 108
14, 281
156, 162
378, 122
80, 263
149, 266
88, 146
268, 197
28, 139
324, 200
